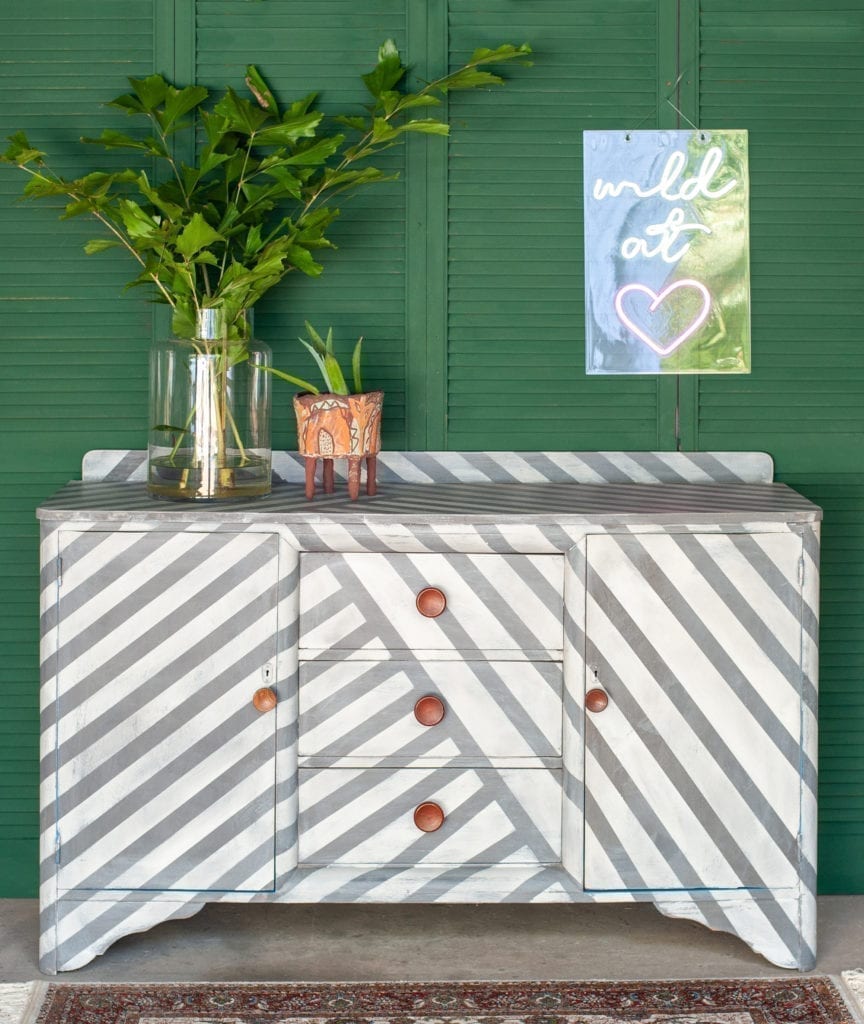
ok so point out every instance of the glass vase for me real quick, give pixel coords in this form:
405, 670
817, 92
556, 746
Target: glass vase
210, 413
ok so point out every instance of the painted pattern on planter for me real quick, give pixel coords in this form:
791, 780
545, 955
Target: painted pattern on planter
336, 426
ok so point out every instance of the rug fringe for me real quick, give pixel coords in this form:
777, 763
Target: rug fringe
20, 1003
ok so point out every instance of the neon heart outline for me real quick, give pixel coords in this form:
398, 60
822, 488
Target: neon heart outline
687, 282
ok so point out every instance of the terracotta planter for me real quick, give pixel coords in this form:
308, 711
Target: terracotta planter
339, 426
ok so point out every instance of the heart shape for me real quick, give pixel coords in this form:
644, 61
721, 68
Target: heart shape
656, 302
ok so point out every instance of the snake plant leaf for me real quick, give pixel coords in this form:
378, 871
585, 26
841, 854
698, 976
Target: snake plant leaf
333, 373
197, 235
260, 90
319, 359
355, 366
315, 339
297, 381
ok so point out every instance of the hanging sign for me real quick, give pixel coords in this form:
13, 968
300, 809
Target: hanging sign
667, 254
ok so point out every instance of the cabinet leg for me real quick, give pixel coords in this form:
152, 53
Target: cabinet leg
372, 474
85, 929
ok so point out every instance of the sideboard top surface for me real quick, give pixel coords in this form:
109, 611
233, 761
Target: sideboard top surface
606, 504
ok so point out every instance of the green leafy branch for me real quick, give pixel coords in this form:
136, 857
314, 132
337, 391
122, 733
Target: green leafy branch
258, 201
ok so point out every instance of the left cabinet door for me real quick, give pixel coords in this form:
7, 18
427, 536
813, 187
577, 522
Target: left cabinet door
165, 771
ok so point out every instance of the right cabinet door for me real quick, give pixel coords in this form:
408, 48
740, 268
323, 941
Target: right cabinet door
693, 768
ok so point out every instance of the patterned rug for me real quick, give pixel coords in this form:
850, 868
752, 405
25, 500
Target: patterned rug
802, 1000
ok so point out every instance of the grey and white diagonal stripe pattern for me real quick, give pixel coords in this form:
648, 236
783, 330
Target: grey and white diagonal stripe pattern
498, 467
161, 760
366, 602
700, 775
492, 816
684, 631
503, 710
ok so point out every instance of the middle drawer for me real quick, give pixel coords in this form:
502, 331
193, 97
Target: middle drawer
407, 711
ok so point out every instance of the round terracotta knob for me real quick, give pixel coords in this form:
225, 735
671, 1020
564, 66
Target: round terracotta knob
431, 602
596, 700
429, 710
428, 817
264, 699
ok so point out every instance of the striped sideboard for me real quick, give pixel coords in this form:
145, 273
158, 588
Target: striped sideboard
683, 590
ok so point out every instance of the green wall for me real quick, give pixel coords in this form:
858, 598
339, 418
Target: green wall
465, 276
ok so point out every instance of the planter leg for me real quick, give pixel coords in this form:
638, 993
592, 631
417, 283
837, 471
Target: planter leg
371, 474
354, 462
328, 476
311, 466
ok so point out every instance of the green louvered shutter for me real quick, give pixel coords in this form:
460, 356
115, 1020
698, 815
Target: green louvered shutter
792, 72
74, 349
516, 352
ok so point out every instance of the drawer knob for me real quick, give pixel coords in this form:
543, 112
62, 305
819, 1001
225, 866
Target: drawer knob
431, 602
264, 699
428, 817
429, 710
596, 700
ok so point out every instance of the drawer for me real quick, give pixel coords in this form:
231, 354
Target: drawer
491, 602
491, 709
490, 816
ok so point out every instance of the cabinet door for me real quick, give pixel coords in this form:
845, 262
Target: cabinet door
692, 771
165, 770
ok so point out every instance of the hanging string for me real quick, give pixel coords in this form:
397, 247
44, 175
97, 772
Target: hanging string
682, 114
671, 93
668, 99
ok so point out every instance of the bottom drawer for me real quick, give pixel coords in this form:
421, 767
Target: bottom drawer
367, 816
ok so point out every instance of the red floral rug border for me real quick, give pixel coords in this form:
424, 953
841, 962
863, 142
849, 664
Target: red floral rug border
804, 1000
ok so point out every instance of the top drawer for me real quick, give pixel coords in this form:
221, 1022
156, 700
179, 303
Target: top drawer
492, 602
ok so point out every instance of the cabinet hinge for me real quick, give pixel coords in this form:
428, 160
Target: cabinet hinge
59, 570
57, 847
801, 571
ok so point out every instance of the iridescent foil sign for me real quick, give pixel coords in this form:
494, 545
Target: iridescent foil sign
667, 252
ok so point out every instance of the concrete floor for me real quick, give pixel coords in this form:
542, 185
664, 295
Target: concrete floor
380, 943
